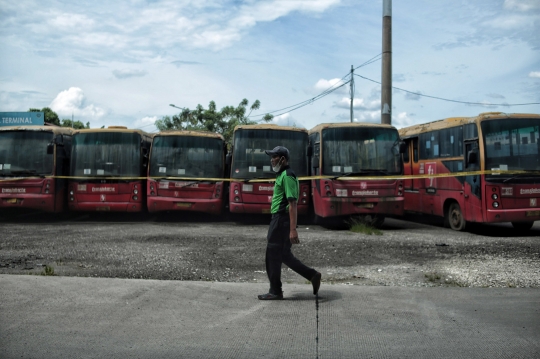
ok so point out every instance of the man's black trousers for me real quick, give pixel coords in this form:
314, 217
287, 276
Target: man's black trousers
278, 251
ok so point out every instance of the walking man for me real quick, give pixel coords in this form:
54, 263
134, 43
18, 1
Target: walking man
282, 233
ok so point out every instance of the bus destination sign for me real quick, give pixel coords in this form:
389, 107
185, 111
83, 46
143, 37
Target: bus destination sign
22, 118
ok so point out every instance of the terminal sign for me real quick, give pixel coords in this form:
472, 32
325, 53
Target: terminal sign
22, 118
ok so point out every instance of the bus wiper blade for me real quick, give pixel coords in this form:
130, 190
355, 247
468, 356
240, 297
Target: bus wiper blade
362, 172
27, 172
258, 178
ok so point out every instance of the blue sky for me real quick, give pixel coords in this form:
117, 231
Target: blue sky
124, 62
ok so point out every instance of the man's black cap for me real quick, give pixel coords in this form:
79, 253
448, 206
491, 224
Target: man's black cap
278, 151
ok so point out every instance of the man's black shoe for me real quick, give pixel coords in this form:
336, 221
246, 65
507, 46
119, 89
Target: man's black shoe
316, 282
270, 296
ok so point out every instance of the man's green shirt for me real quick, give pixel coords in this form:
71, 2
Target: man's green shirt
286, 188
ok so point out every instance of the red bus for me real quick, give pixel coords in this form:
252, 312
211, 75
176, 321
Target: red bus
350, 158
30, 159
252, 179
186, 172
108, 170
486, 169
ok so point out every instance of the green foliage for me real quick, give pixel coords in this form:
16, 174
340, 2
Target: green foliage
52, 118
212, 120
78, 125
358, 226
48, 271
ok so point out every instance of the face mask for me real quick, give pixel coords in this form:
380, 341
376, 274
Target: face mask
277, 167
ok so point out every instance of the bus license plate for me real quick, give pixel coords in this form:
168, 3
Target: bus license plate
266, 210
532, 213
11, 200
183, 204
103, 209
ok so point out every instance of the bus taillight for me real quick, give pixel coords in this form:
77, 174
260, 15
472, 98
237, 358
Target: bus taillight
328, 190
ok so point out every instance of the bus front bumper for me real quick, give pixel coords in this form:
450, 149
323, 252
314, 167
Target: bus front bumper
160, 204
335, 206
41, 202
106, 206
513, 215
235, 207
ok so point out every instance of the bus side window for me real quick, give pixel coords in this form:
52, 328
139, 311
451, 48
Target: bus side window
415, 149
406, 157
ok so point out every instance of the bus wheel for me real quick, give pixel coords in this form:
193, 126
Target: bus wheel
455, 218
522, 226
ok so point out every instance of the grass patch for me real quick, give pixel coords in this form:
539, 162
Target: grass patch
48, 270
358, 226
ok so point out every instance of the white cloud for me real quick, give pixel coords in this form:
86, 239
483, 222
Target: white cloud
535, 74
146, 123
402, 119
324, 85
287, 120
522, 5
73, 102
126, 73
359, 104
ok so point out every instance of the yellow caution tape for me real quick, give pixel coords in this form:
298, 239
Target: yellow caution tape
306, 178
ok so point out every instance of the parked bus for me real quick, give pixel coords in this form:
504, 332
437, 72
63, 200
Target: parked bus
108, 169
186, 172
350, 158
493, 166
252, 179
30, 159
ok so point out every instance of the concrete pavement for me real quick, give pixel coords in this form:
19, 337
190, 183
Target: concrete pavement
70, 317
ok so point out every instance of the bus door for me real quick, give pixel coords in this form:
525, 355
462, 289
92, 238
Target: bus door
411, 166
472, 190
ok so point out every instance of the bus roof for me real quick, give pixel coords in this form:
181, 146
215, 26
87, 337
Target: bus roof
53, 129
348, 124
269, 126
189, 133
112, 129
458, 121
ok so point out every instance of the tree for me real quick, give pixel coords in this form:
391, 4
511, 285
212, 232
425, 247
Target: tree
222, 122
52, 118
78, 125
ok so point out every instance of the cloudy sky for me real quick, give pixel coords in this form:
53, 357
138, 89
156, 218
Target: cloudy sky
124, 62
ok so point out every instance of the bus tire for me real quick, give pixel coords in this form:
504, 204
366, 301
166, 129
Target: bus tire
522, 226
454, 217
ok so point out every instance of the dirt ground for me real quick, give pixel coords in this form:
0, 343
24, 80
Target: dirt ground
416, 252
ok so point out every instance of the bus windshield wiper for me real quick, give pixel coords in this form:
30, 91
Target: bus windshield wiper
258, 178
362, 172
521, 175
27, 172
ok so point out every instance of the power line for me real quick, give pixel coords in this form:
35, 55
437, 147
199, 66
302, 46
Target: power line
445, 99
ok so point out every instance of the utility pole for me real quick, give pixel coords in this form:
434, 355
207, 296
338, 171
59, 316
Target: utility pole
352, 92
386, 81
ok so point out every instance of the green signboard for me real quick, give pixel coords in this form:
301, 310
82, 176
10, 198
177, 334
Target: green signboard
22, 118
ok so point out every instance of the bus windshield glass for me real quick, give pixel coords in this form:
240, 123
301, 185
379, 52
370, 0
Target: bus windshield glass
106, 154
360, 151
24, 153
187, 156
512, 144
250, 161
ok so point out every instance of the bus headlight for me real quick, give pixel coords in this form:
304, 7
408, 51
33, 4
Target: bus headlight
496, 204
494, 196
236, 199
327, 188
135, 198
236, 192
136, 192
71, 193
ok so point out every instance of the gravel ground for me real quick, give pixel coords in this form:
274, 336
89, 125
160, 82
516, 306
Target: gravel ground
173, 247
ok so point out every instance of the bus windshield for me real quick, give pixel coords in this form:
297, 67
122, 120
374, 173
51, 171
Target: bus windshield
187, 156
250, 160
512, 144
25, 153
360, 150
106, 154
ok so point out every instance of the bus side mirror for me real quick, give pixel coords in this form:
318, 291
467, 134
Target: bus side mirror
145, 152
315, 162
59, 140
402, 147
309, 151
50, 148
472, 157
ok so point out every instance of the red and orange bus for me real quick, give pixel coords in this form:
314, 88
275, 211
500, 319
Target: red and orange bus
31, 158
483, 169
349, 158
252, 180
108, 170
186, 172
